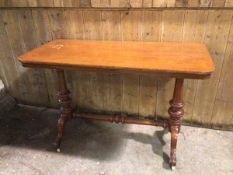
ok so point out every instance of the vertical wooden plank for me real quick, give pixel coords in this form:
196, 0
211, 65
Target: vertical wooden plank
131, 30
45, 3
32, 3
222, 110
85, 3
182, 3
100, 3
17, 47
173, 23
131, 25
172, 31
111, 20
92, 28
170, 3
120, 3
75, 3
194, 30
43, 32
71, 3
113, 82
136, 3
205, 3
92, 31
217, 31
164, 3
151, 31
193, 3
8, 72
229, 3
58, 3
218, 3
3, 3
55, 20
37, 80
159, 3
67, 3
147, 3
147, 96
17, 3
74, 30
152, 25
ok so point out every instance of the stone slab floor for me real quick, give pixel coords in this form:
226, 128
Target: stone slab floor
98, 148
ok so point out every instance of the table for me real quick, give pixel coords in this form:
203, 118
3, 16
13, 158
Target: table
168, 59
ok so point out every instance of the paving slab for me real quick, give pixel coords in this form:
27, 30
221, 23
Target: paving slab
99, 148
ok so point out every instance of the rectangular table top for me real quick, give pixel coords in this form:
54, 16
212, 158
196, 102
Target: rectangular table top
172, 59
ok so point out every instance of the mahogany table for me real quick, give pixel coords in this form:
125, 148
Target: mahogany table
176, 60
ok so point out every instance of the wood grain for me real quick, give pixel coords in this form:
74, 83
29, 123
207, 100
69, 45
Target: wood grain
172, 21
194, 30
187, 59
216, 35
196, 25
117, 3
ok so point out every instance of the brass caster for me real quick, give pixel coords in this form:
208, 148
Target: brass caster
173, 168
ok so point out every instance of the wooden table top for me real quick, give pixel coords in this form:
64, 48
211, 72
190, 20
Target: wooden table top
172, 59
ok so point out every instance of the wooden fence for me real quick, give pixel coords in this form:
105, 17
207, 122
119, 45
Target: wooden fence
208, 102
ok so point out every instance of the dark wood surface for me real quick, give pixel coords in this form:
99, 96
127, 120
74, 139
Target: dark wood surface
187, 60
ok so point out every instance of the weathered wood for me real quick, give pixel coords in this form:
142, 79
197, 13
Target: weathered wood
113, 92
217, 31
44, 34
151, 31
8, 65
229, 3
131, 30
117, 3
92, 31
194, 30
38, 86
172, 21
100, 3
120, 3
194, 25
222, 110
147, 3
17, 47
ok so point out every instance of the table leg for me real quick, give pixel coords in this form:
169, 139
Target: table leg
65, 106
176, 112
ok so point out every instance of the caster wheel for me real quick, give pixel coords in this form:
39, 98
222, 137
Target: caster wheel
58, 150
173, 168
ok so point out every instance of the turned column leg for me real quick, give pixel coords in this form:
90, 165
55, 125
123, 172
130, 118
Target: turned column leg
176, 112
65, 106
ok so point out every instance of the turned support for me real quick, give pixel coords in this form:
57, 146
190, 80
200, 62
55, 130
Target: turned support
176, 112
65, 106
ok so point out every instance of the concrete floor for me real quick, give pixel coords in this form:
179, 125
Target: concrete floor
98, 148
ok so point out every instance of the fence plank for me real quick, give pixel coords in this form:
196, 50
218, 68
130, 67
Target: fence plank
8, 72
37, 82
92, 30
172, 31
151, 31
194, 30
223, 111
113, 82
131, 30
217, 31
